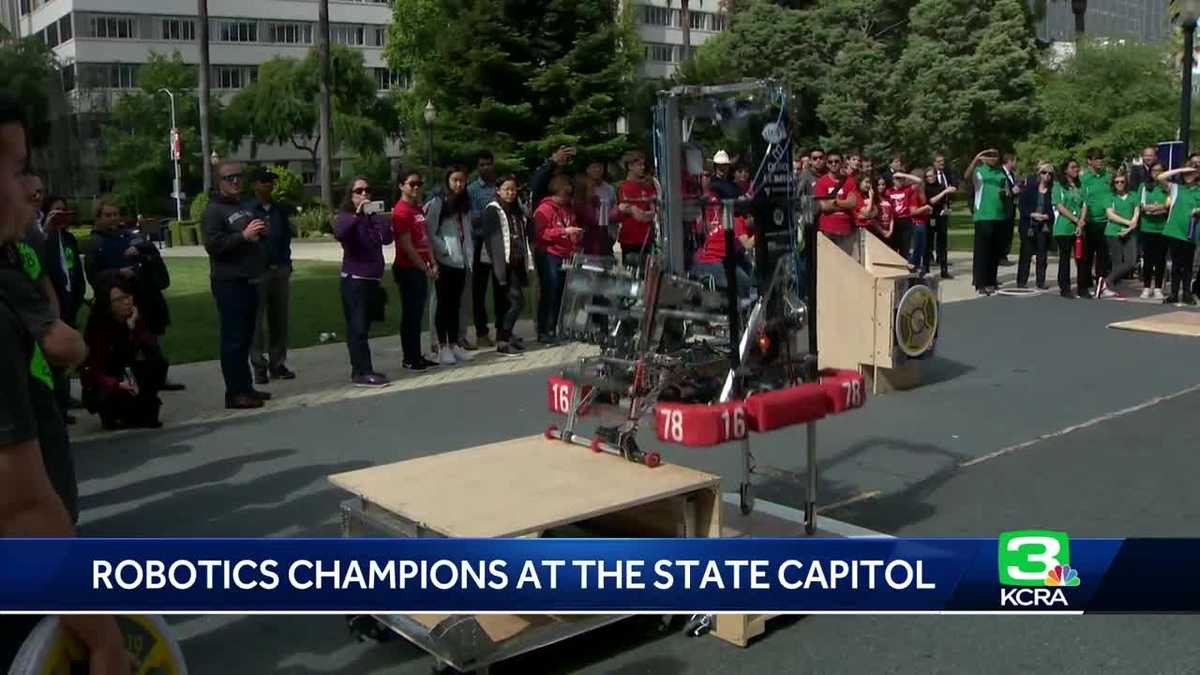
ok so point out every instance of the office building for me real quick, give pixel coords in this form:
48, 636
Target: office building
659, 25
1137, 20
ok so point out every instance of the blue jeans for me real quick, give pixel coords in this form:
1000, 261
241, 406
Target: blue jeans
237, 308
717, 272
917, 257
356, 295
551, 278
414, 287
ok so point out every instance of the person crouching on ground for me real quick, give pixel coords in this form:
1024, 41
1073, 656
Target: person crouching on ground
504, 229
556, 236
362, 232
125, 369
448, 227
1123, 216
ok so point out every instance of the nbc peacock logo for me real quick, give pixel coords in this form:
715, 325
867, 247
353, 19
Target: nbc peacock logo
1062, 575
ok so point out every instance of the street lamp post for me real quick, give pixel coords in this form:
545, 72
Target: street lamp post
1189, 12
430, 118
176, 151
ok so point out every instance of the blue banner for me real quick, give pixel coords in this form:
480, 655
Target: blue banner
1031, 570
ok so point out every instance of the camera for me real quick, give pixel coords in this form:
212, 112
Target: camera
371, 208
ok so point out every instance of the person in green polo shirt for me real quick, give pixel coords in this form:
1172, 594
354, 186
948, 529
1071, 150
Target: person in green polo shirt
1123, 217
1069, 215
1096, 182
1180, 228
1154, 245
990, 218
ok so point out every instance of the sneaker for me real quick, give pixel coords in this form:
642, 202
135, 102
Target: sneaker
1158, 294
484, 341
1146, 293
260, 395
1189, 299
242, 402
506, 349
947, 275
1171, 300
415, 365
460, 355
1109, 294
465, 345
1068, 295
429, 363
517, 344
446, 357
373, 381
282, 373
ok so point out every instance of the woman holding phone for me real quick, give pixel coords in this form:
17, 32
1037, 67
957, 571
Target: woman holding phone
363, 232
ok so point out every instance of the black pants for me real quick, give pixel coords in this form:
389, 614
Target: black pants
479, 286
1122, 254
1066, 251
237, 307
989, 244
901, 239
356, 301
414, 287
123, 408
938, 233
551, 278
1182, 254
1154, 264
450, 284
1035, 242
1006, 242
1095, 255
512, 301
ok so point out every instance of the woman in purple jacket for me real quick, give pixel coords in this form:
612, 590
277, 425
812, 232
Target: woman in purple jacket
363, 229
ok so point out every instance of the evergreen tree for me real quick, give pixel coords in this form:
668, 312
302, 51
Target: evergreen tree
1005, 63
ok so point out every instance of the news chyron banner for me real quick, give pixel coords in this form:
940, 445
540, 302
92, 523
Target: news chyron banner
1026, 571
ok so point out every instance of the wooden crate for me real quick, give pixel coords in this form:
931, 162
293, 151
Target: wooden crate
527, 487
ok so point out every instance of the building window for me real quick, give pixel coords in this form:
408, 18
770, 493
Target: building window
52, 35
237, 31
290, 33
719, 22
108, 75
233, 77
354, 36
113, 27
26, 6
65, 31
387, 79
660, 53
378, 37
68, 77
179, 29
658, 16
699, 20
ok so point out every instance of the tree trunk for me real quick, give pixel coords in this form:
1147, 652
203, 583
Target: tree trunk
324, 166
205, 140
685, 20
1079, 8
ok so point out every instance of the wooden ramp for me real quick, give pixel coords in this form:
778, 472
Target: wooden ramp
1186, 324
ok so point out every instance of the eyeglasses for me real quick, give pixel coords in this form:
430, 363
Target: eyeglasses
414, 183
362, 191
1045, 173
232, 178
816, 157
1118, 182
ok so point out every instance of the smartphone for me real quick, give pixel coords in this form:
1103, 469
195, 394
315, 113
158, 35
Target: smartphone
371, 208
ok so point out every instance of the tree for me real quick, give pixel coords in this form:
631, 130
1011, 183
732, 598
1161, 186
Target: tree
519, 77
135, 137
205, 93
852, 100
1097, 99
279, 106
1005, 66
325, 103
31, 73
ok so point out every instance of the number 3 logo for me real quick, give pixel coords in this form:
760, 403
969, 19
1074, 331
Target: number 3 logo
1028, 556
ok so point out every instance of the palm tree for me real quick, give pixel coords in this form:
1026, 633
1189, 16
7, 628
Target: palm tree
326, 133
205, 138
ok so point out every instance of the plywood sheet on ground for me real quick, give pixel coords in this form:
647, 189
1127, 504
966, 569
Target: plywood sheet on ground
516, 487
1172, 323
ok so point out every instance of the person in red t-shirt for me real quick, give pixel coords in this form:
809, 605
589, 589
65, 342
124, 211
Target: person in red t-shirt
909, 212
837, 196
637, 202
413, 269
710, 259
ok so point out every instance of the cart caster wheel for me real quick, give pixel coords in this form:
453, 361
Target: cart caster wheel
364, 627
746, 498
550, 431
595, 446
698, 625
652, 459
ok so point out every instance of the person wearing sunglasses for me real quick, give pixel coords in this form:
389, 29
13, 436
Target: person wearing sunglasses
1036, 219
413, 268
363, 232
232, 237
1154, 200
1124, 214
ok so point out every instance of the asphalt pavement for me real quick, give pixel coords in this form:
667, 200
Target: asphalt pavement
1033, 414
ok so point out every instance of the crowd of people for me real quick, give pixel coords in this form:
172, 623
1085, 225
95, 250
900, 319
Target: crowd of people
1116, 225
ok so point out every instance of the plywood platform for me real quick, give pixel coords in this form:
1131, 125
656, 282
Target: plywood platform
519, 487
1186, 324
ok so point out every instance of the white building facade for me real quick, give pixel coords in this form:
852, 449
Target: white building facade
103, 43
659, 24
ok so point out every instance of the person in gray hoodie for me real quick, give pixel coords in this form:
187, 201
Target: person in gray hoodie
504, 227
448, 223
